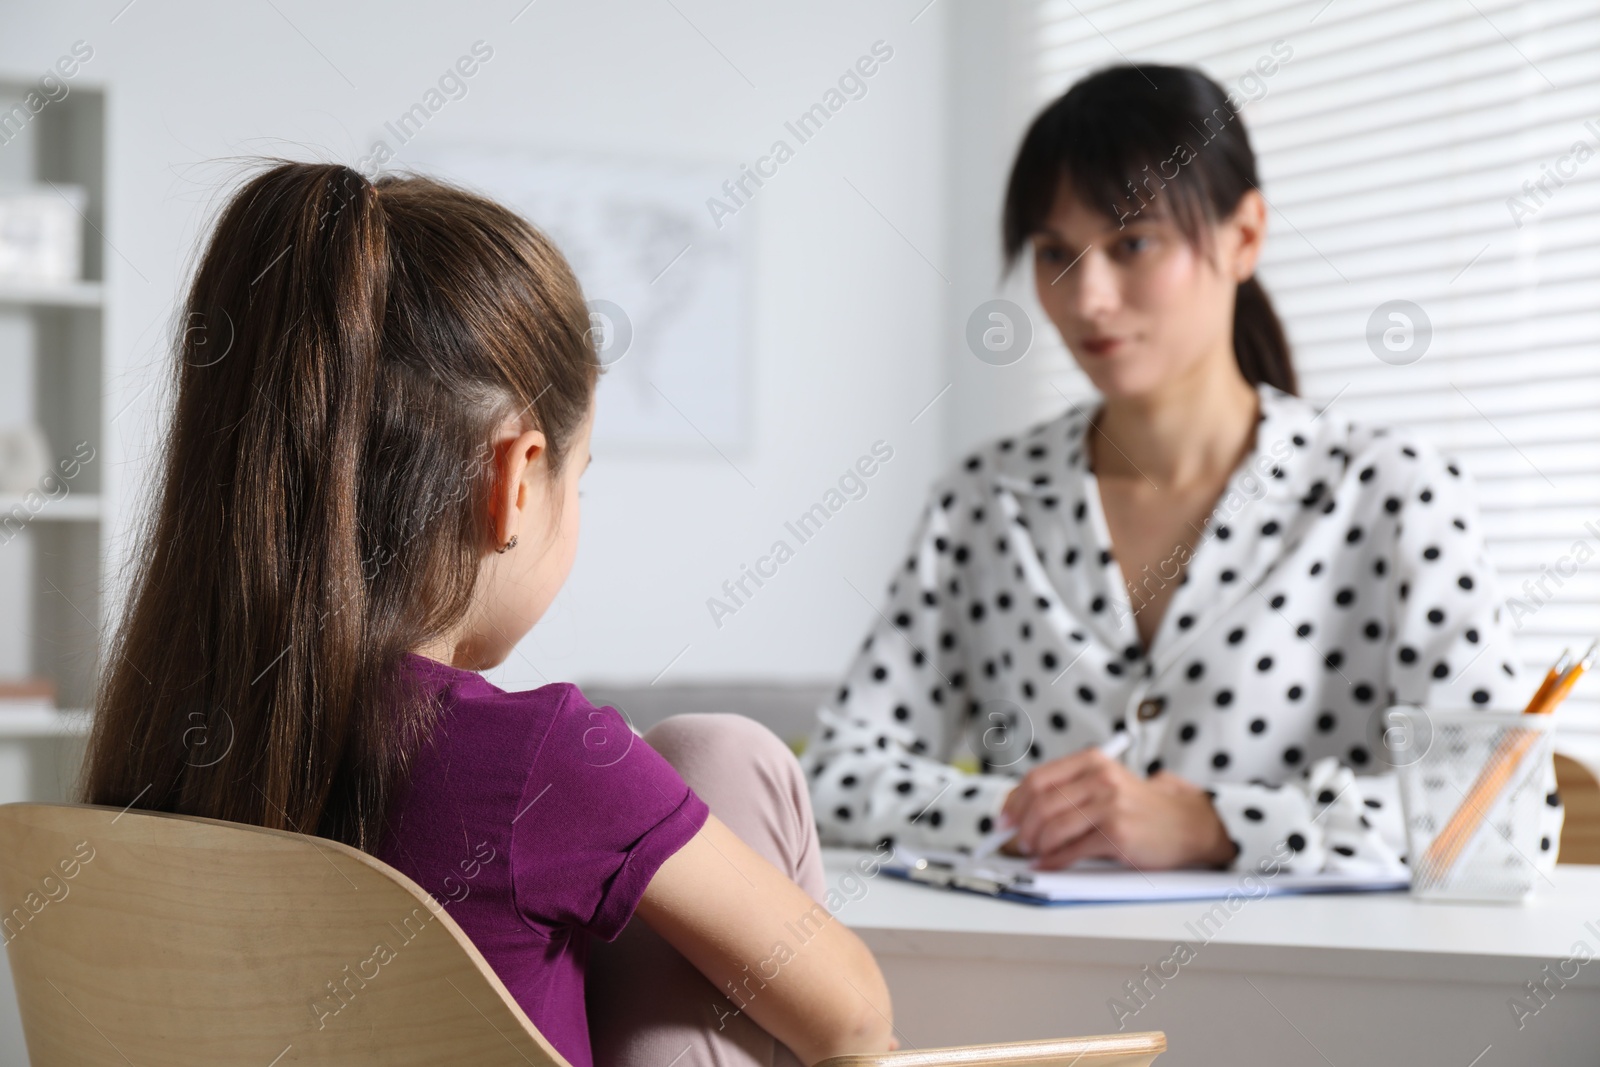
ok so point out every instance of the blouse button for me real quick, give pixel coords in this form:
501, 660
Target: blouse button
1149, 709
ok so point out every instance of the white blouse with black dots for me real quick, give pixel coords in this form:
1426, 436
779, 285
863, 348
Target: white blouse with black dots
1342, 571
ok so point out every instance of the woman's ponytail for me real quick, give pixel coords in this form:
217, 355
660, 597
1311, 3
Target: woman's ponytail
1259, 343
348, 349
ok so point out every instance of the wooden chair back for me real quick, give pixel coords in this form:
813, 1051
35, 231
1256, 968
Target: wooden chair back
1107, 1050
1580, 794
145, 938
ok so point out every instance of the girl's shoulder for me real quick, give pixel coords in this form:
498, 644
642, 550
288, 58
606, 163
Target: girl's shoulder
553, 724
474, 719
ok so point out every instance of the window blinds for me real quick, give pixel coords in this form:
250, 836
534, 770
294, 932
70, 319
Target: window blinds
1440, 152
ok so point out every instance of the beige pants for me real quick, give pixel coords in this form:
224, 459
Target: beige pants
648, 1006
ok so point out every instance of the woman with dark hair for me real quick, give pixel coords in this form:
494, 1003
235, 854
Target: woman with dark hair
1235, 582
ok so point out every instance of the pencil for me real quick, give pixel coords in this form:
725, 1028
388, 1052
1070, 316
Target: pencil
1564, 685
1508, 754
1551, 678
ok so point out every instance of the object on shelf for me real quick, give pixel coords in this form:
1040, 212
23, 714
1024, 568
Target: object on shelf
26, 694
24, 458
41, 234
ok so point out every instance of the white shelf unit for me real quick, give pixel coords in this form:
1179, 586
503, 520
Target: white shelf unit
52, 374
35, 724
75, 507
64, 294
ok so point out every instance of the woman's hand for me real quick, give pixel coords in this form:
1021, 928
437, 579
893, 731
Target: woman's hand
1088, 804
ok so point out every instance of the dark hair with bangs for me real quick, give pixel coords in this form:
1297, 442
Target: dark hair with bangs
1127, 137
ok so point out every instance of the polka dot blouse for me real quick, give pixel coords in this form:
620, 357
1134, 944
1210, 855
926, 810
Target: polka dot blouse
1342, 571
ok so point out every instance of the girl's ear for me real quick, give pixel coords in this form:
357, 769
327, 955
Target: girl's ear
1249, 223
519, 472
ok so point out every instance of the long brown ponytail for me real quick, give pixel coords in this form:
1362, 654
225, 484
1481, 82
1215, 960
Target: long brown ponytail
1112, 136
347, 350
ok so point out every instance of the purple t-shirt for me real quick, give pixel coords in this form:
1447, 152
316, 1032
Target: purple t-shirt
537, 820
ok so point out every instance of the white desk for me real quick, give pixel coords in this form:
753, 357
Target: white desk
1348, 980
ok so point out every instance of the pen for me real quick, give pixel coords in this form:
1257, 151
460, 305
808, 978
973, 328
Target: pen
991, 841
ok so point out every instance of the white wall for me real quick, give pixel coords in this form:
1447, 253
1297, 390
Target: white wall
992, 100
847, 314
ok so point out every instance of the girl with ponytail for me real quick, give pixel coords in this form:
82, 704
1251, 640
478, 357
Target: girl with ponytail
1166, 626
384, 393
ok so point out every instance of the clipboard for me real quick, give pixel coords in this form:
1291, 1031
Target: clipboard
1100, 882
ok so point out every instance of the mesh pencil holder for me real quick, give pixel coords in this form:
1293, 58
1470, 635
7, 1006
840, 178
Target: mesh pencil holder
1471, 786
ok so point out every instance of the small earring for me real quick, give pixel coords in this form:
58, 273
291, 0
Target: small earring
508, 545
